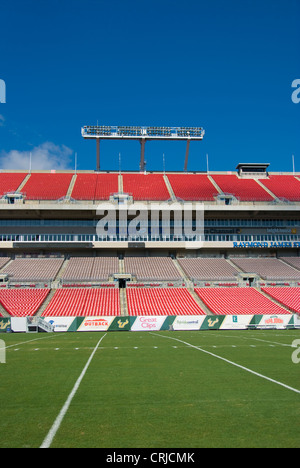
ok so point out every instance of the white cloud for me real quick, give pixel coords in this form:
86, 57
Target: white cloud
2, 120
46, 156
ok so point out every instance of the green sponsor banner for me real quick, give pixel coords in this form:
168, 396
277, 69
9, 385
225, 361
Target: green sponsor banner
121, 324
212, 322
5, 324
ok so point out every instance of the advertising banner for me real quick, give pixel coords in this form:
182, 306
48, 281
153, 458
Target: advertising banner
96, 323
149, 323
188, 322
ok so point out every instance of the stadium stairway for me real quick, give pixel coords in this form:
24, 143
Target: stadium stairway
23, 183
71, 186
215, 184
3, 312
46, 302
190, 287
170, 189
62, 270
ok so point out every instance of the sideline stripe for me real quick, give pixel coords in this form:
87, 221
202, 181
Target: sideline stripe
229, 362
56, 425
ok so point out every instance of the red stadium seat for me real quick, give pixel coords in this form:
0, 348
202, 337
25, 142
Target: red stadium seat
46, 186
283, 186
243, 189
160, 301
22, 302
289, 297
192, 187
146, 187
10, 182
237, 301
83, 302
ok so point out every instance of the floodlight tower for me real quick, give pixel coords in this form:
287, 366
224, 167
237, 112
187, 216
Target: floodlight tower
142, 134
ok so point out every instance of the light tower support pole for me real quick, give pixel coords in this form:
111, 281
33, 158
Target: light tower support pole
186, 155
98, 154
142, 162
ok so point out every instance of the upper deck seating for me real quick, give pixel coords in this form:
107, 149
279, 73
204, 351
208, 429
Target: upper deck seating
267, 268
47, 186
33, 269
146, 186
237, 301
290, 297
175, 301
152, 268
95, 186
192, 187
283, 186
22, 302
10, 182
208, 269
83, 302
243, 189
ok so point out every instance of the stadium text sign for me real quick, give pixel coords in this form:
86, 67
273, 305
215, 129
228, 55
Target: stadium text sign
296, 93
2, 92
266, 245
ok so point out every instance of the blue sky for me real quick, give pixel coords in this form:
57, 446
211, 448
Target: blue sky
224, 65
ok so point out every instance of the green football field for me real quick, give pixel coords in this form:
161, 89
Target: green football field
150, 389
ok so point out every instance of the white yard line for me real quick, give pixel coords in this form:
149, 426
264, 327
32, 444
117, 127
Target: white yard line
56, 425
230, 362
29, 341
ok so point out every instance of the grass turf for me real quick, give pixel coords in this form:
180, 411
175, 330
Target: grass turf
145, 391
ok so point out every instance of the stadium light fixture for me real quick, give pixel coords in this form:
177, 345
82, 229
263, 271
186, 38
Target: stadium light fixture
142, 134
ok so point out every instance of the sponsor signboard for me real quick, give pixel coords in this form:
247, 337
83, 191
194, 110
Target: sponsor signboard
148, 323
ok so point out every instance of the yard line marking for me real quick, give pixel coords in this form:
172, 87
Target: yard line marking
56, 425
30, 341
230, 362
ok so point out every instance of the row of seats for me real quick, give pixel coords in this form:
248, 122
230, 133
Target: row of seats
267, 268
33, 269
176, 301
84, 302
208, 269
22, 302
237, 301
150, 268
91, 186
146, 301
90, 268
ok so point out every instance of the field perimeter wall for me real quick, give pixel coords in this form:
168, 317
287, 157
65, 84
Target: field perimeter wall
156, 323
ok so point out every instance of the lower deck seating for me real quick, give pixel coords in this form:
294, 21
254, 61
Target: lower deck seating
22, 302
175, 301
83, 302
237, 301
289, 297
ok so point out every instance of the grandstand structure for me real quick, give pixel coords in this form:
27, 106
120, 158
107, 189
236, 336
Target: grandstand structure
56, 263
